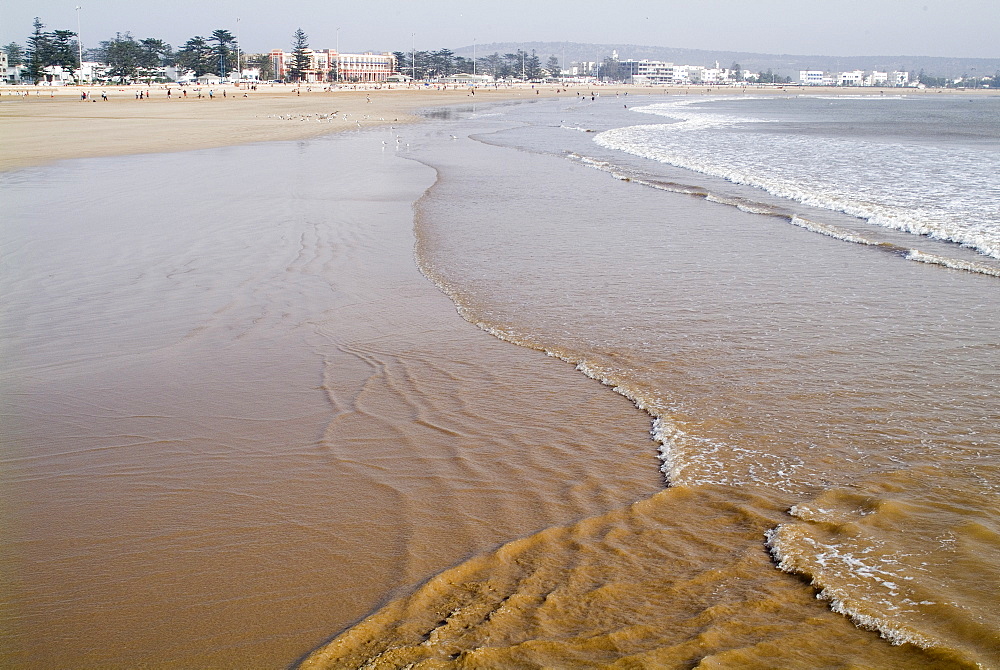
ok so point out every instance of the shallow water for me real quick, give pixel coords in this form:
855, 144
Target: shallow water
842, 397
239, 420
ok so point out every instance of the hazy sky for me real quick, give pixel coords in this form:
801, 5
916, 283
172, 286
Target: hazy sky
966, 28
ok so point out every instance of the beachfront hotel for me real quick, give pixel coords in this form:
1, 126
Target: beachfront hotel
328, 65
853, 78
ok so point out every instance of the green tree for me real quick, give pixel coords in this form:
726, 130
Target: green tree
611, 70
196, 56
441, 63
934, 82
64, 50
38, 52
532, 66
492, 65
424, 63
767, 77
737, 72
223, 39
15, 54
402, 61
300, 59
153, 54
553, 67
123, 56
511, 66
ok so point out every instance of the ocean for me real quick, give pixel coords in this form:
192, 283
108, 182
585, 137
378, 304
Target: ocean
731, 399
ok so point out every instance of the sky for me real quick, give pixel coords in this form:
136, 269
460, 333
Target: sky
958, 28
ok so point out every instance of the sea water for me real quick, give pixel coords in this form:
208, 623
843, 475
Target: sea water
923, 166
741, 269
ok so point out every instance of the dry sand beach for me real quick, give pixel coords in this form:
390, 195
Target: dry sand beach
39, 125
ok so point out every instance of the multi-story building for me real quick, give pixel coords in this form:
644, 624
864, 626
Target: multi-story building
365, 67
655, 73
853, 78
812, 77
876, 78
328, 65
698, 74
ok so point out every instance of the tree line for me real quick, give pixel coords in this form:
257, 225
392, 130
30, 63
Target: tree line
127, 59
444, 63
44, 49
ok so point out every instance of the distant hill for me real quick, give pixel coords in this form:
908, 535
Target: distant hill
786, 65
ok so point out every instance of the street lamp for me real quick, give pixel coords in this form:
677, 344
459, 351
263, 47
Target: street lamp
239, 65
338, 54
79, 41
413, 56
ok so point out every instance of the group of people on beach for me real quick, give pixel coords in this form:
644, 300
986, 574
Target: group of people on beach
87, 95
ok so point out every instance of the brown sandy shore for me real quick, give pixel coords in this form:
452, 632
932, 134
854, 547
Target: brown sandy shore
39, 125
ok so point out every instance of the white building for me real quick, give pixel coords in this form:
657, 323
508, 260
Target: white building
852, 78
581, 69
812, 77
656, 73
467, 79
708, 75
876, 78
57, 75
11, 75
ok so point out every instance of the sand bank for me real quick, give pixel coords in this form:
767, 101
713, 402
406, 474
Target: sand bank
39, 125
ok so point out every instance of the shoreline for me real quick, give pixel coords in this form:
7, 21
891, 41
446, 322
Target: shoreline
40, 125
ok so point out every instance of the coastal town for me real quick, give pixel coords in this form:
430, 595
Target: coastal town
330, 66
57, 58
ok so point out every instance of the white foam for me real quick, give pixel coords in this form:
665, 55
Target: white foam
947, 193
831, 231
970, 266
823, 562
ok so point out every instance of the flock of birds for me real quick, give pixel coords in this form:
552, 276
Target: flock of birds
319, 118
330, 117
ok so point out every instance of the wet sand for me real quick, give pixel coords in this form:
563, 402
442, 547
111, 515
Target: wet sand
243, 426
237, 425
